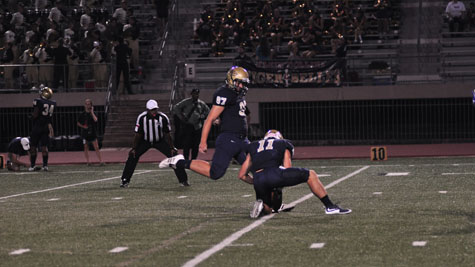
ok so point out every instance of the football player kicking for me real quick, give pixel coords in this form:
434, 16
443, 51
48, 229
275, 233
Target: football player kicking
229, 106
43, 108
264, 160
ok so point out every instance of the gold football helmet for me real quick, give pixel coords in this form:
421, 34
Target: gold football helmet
240, 75
273, 134
46, 93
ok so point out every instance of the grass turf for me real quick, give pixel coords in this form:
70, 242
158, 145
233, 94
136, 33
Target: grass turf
164, 224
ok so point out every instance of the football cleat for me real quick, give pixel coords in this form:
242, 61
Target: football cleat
34, 169
45, 168
336, 210
185, 183
170, 162
257, 209
124, 184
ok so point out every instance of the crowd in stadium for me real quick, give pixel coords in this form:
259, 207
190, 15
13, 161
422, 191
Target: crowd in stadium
298, 28
62, 34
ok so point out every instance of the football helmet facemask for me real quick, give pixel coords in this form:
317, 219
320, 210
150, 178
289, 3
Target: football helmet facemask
46, 93
235, 76
273, 134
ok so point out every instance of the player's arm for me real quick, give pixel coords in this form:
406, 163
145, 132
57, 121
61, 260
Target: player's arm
170, 143
51, 130
94, 117
36, 112
244, 171
287, 159
212, 116
15, 160
137, 138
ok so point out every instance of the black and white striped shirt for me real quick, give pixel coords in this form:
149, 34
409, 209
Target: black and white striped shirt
152, 128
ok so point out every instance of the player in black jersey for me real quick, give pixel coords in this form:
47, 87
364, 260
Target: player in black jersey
43, 108
229, 107
270, 162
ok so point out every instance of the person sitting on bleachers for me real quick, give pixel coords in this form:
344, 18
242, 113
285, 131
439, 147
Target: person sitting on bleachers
358, 20
455, 11
55, 14
383, 16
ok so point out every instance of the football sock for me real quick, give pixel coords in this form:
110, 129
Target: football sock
45, 160
184, 163
32, 160
326, 201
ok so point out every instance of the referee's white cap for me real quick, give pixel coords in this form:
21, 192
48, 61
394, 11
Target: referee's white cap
152, 104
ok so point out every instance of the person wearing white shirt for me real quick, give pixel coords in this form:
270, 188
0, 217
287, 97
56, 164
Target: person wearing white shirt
121, 13
455, 11
99, 68
55, 14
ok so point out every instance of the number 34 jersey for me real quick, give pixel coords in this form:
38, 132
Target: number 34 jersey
233, 117
45, 108
268, 153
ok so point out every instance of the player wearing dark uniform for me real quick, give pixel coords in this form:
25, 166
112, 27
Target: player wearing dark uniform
269, 161
43, 108
229, 108
16, 148
152, 129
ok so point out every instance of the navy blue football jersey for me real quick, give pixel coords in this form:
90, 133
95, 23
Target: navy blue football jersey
46, 108
233, 118
15, 147
268, 153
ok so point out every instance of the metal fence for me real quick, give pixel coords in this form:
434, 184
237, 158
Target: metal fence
396, 121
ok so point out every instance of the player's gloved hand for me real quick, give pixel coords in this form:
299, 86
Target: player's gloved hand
174, 151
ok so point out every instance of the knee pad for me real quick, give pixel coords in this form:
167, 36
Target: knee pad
216, 173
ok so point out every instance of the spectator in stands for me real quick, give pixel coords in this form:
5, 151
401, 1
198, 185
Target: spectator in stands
455, 11
242, 59
55, 14
85, 21
45, 72
40, 4
60, 55
358, 20
383, 16
6, 58
97, 57
73, 61
122, 52
471, 16
131, 36
262, 50
18, 18
87, 121
162, 14
277, 27
28, 58
121, 13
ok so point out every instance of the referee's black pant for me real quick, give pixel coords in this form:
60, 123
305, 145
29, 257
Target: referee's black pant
142, 147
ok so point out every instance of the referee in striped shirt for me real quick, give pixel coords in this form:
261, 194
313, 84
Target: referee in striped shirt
152, 129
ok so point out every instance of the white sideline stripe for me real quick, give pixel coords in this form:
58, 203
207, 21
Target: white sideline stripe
117, 198
419, 243
19, 251
323, 175
182, 197
317, 245
443, 192
397, 173
118, 249
65, 186
457, 173
242, 245
235, 236
53, 199
377, 193
246, 195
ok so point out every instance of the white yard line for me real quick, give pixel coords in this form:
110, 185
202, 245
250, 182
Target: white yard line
66, 186
235, 236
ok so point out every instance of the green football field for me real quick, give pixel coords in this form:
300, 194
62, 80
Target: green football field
406, 212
